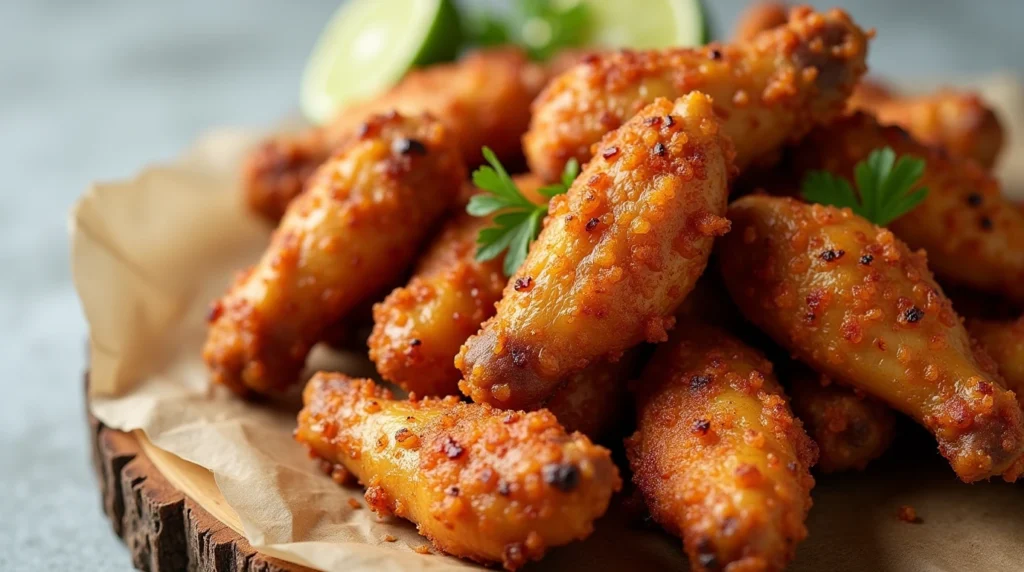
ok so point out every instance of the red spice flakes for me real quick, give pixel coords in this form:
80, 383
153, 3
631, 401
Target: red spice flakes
906, 513
610, 152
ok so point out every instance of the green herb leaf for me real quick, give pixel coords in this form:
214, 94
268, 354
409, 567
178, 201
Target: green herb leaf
518, 221
884, 185
542, 27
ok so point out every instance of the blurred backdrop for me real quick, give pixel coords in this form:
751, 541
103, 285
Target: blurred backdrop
97, 89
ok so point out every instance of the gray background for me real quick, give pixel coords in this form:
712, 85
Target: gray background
97, 89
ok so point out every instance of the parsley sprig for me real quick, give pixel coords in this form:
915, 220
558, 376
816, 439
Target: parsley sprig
542, 27
883, 187
518, 221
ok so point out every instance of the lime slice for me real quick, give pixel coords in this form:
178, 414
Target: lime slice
368, 45
645, 24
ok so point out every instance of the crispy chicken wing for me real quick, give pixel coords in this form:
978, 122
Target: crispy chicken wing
852, 301
483, 98
618, 254
718, 456
974, 236
850, 429
482, 484
419, 328
760, 17
353, 232
769, 90
1003, 341
958, 121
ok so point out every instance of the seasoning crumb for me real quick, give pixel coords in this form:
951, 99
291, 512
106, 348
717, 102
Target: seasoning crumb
908, 514
388, 538
867, 259
423, 549
659, 149
914, 314
832, 254
354, 504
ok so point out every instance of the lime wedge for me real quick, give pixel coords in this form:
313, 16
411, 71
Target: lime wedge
368, 45
645, 24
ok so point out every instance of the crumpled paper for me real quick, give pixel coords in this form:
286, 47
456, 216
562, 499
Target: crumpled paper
148, 256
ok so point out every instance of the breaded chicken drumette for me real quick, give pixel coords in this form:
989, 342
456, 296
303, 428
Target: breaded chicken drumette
480, 483
852, 301
717, 454
958, 121
974, 235
354, 231
618, 253
484, 99
769, 90
851, 429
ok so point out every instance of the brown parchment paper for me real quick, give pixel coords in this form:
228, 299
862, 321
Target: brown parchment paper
149, 254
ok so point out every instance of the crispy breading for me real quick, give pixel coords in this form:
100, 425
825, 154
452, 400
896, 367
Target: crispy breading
855, 303
356, 230
958, 121
974, 235
594, 401
419, 328
480, 483
851, 429
769, 90
484, 98
618, 254
1003, 341
759, 17
718, 456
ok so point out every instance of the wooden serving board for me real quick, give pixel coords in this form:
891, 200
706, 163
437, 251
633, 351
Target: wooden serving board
148, 497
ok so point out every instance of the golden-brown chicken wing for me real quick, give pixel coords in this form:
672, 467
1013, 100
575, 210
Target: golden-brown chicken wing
851, 429
770, 90
958, 121
973, 235
354, 231
852, 301
419, 328
483, 484
718, 455
618, 254
483, 98
760, 17
1003, 341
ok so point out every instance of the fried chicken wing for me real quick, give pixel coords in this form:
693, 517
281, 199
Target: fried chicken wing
760, 17
419, 328
482, 484
853, 302
769, 90
617, 255
1003, 341
354, 231
958, 121
484, 99
974, 236
851, 430
718, 456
